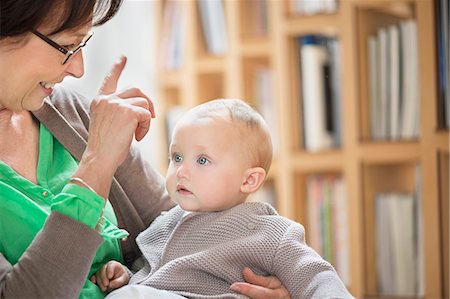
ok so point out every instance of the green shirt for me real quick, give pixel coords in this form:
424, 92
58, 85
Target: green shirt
24, 207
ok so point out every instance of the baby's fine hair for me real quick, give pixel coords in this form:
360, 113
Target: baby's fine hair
252, 127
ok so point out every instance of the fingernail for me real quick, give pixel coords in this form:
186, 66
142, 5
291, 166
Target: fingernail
235, 288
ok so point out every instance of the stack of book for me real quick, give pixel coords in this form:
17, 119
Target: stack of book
212, 16
394, 82
327, 226
397, 244
172, 36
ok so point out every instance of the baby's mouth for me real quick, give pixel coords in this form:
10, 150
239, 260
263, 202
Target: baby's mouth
183, 190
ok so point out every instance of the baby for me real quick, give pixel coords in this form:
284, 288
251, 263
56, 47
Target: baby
220, 153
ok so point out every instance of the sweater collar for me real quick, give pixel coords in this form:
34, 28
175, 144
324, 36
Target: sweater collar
61, 129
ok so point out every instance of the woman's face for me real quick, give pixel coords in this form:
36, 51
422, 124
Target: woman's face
29, 69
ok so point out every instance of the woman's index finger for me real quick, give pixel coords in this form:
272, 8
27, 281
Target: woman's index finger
109, 85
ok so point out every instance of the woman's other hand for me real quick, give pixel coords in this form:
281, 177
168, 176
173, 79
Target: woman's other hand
260, 287
116, 116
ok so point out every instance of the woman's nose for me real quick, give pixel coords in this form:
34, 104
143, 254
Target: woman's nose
76, 65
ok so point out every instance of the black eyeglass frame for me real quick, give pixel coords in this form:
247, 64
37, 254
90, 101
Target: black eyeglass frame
64, 50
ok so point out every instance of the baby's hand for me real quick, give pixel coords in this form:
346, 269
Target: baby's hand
111, 276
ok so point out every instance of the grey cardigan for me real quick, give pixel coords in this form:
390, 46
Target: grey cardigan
57, 262
199, 255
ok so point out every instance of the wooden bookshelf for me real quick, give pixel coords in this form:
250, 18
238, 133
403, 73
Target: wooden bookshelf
367, 167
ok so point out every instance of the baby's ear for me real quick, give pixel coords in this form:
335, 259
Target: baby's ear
253, 179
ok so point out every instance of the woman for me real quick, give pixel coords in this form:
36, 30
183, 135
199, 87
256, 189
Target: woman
64, 195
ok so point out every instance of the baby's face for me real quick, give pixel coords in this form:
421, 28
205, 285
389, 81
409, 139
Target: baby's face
207, 166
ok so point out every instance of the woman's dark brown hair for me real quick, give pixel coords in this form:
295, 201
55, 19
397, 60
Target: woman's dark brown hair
20, 16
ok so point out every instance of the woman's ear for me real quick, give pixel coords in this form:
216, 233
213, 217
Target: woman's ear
254, 177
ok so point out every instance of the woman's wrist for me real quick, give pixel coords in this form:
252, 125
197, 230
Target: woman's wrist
81, 182
94, 174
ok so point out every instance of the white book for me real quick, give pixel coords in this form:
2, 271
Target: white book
410, 108
384, 82
309, 7
266, 103
214, 26
313, 59
384, 254
394, 43
176, 37
340, 230
403, 235
375, 88
420, 279
397, 265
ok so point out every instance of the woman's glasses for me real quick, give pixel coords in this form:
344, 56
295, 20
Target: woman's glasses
69, 53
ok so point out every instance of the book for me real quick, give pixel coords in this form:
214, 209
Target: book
172, 36
394, 98
396, 244
384, 256
341, 241
311, 7
314, 63
410, 86
335, 91
212, 16
443, 46
266, 102
394, 82
314, 203
384, 76
374, 87
327, 221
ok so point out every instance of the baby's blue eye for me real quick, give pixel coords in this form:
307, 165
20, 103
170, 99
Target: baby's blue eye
177, 158
202, 160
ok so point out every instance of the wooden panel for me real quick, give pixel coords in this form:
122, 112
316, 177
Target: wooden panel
320, 24
210, 87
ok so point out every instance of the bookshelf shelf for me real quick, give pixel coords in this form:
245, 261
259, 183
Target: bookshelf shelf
398, 151
324, 161
323, 24
211, 64
255, 48
262, 64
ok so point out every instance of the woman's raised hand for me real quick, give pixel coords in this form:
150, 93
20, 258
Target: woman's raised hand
116, 116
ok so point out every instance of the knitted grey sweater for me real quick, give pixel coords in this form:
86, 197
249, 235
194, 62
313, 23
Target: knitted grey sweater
199, 255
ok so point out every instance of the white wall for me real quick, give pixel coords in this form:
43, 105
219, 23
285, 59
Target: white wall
132, 32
